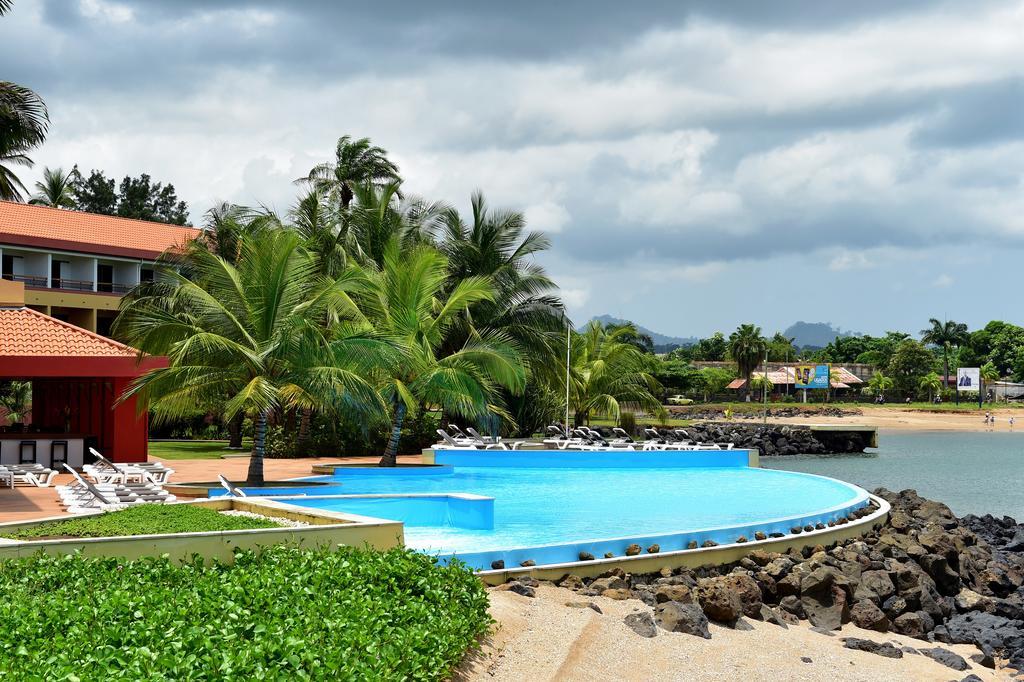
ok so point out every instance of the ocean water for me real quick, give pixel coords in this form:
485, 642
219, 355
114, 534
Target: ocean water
973, 473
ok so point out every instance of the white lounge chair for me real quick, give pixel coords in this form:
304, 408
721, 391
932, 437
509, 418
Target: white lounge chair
233, 490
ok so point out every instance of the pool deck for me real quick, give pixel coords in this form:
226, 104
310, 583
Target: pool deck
26, 503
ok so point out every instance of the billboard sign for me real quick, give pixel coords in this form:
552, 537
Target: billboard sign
812, 376
968, 379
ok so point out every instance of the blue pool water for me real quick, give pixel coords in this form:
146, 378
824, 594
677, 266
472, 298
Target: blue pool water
536, 506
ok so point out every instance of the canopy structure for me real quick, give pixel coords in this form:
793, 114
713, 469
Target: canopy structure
841, 378
77, 378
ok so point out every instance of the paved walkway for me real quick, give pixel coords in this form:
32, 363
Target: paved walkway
25, 503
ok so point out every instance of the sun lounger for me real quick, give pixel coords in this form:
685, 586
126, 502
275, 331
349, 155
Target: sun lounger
233, 490
6, 477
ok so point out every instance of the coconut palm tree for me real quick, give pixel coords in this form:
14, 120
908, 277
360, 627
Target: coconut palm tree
408, 305
945, 335
747, 349
251, 331
932, 383
607, 373
989, 374
23, 125
356, 163
55, 189
879, 383
16, 400
495, 244
762, 383
381, 215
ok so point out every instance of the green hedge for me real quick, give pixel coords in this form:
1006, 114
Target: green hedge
286, 614
144, 519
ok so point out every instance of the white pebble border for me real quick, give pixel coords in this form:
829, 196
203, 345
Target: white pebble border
276, 519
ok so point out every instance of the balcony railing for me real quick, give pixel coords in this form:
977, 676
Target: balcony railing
71, 284
29, 280
113, 287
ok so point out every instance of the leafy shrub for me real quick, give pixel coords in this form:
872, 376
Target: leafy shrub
281, 615
627, 422
144, 519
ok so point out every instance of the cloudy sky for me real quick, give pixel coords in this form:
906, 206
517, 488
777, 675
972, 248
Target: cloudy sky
696, 165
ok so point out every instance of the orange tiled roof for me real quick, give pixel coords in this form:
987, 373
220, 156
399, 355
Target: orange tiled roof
28, 333
56, 228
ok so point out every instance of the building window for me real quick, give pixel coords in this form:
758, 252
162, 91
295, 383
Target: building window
7, 267
55, 267
105, 278
146, 275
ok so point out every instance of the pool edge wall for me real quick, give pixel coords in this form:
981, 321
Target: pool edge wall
591, 458
326, 529
694, 558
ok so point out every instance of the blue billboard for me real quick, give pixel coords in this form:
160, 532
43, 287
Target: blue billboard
812, 376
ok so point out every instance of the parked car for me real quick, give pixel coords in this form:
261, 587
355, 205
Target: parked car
679, 400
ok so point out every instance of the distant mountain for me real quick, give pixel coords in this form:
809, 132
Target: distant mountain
662, 342
815, 334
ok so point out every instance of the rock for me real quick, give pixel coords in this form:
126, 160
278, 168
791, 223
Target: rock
806, 659
617, 594
911, 624
720, 602
894, 606
742, 625
528, 563
571, 582
522, 589
1016, 544
759, 535
985, 630
609, 555
679, 593
586, 556
792, 605
709, 543
946, 658
601, 585
825, 603
641, 623
692, 544
739, 584
654, 549
969, 600
778, 568
879, 648
770, 615
985, 660
865, 614
497, 565
686, 618
633, 550
584, 605
879, 583
817, 581
971, 678
741, 539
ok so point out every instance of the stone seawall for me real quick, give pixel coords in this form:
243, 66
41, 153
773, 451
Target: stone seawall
786, 439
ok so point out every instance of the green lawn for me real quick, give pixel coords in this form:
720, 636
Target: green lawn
743, 407
145, 519
194, 449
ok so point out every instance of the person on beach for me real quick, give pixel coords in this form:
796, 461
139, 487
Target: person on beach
1011, 423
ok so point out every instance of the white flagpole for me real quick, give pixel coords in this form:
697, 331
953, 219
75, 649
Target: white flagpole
568, 340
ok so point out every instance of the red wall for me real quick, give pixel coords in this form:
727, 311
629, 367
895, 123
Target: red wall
121, 434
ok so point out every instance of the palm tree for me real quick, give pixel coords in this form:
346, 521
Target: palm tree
248, 331
607, 373
381, 215
945, 335
409, 306
525, 307
762, 382
23, 125
879, 383
356, 163
747, 348
16, 399
989, 373
55, 189
318, 222
931, 383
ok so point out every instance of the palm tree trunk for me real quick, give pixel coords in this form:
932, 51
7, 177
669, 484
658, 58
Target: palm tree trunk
945, 360
305, 416
390, 457
235, 431
255, 475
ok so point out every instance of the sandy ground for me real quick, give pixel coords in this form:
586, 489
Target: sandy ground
893, 419
542, 639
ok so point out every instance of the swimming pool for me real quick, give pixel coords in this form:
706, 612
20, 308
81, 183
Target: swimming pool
548, 507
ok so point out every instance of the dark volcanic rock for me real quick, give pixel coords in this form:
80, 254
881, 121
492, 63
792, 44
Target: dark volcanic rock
685, 618
880, 648
642, 624
946, 658
865, 614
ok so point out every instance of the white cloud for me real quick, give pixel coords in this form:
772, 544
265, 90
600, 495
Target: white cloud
943, 281
547, 216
